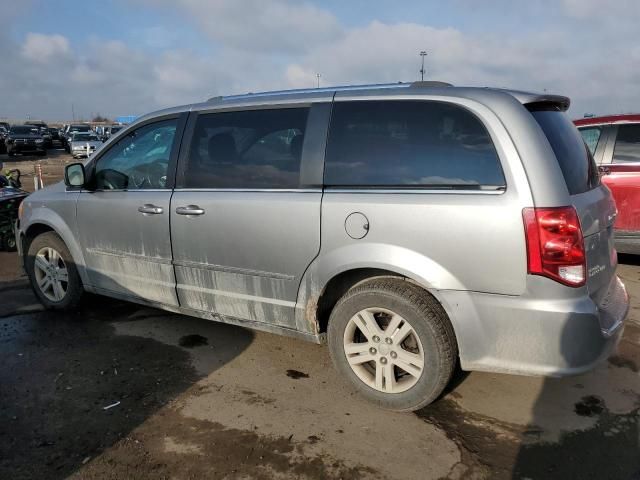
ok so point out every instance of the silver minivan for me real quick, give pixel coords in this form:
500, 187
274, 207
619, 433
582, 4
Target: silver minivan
412, 227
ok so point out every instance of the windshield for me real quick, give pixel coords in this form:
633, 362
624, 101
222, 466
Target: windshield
115, 129
84, 137
575, 159
24, 130
79, 128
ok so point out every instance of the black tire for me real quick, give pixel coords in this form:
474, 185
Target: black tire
74, 290
9, 243
430, 323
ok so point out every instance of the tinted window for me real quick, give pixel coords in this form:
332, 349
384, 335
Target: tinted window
84, 137
140, 160
409, 144
573, 155
627, 147
24, 130
591, 137
249, 149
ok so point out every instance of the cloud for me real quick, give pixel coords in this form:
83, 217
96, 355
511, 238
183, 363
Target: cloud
277, 26
45, 48
253, 45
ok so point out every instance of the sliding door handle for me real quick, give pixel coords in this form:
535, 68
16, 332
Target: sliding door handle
190, 210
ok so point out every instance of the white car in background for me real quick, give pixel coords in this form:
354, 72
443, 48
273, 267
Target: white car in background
83, 144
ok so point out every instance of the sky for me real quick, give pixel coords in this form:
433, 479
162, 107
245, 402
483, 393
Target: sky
121, 57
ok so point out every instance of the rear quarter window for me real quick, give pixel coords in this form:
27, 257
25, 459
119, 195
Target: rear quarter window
409, 144
573, 156
627, 148
591, 136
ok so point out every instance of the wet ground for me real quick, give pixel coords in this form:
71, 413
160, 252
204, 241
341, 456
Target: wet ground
115, 390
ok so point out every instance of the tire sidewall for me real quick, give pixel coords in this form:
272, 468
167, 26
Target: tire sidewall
428, 386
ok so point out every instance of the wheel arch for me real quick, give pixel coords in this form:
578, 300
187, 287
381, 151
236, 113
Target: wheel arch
332, 273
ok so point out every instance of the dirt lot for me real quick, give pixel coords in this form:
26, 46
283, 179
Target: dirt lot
52, 166
115, 390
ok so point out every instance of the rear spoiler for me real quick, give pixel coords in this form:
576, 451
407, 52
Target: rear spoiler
548, 102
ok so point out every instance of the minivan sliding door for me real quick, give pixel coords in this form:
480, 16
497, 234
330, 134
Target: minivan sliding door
245, 219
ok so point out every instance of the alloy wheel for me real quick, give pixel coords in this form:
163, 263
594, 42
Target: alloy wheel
51, 274
383, 350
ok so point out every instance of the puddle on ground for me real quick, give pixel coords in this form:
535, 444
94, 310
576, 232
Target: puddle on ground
589, 406
194, 340
295, 374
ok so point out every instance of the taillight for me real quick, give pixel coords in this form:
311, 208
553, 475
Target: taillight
555, 247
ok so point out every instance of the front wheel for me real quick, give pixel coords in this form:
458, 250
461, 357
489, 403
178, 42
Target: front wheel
393, 341
53, 273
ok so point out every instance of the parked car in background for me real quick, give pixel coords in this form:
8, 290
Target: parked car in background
6, 125
3, 135
614, 141
44, 131
23, 139
54, 133
414, 227
77, 127
106, 131
83, 144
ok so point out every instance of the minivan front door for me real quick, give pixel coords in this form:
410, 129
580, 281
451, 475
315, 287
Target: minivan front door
123, 221
244, 228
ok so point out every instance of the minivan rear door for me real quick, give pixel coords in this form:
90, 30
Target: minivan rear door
592, 200
245, 216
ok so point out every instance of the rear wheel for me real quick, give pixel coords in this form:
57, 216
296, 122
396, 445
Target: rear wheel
9, 243
52, 273
394, 343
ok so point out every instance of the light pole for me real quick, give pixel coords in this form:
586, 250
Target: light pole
318, 78
422, 54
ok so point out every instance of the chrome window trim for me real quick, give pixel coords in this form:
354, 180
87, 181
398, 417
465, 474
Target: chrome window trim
124, 190
280, 190
430, 191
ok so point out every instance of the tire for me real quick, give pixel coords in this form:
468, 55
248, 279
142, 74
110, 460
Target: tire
431, 339
50, 297
9, 243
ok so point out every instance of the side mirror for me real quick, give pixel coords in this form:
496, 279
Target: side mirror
74, 175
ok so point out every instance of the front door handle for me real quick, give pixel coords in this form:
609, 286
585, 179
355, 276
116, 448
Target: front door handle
150, 209
190, 210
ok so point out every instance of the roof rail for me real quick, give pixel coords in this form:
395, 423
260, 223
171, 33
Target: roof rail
430, 83
311, 90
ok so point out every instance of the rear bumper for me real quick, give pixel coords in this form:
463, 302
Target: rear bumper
551, 336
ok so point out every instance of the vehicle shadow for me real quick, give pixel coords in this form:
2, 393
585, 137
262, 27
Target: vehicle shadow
73, 384
628, 259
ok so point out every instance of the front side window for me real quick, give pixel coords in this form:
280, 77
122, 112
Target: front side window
627, 148
591, 137
140, 159
247, 149
409, 144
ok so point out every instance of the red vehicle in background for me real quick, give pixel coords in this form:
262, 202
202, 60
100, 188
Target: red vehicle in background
614, 142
